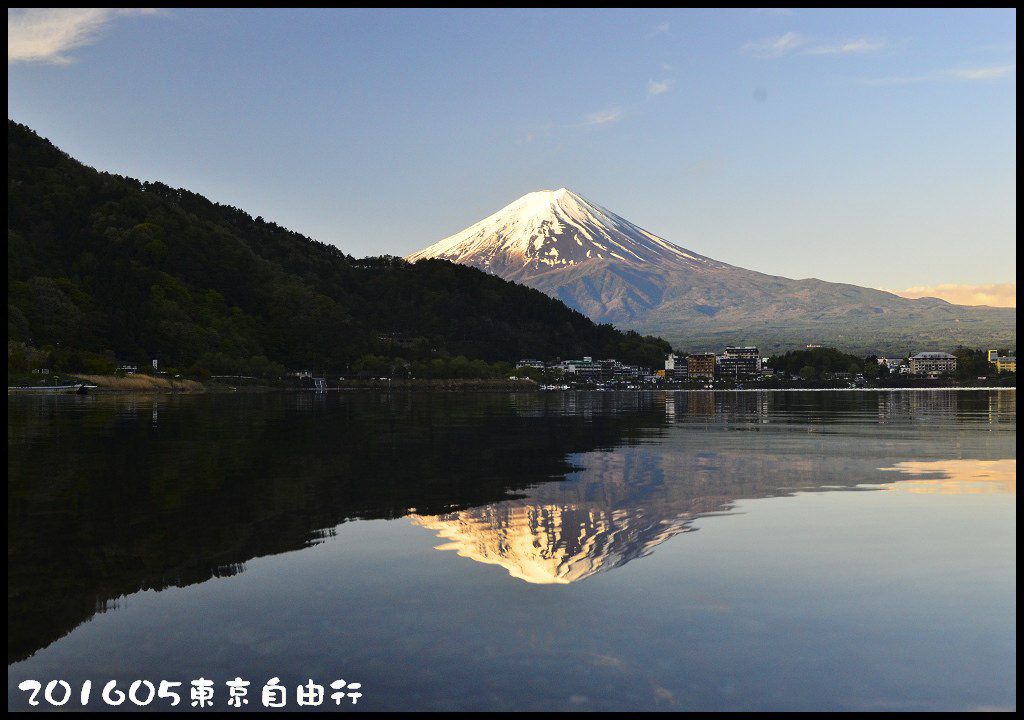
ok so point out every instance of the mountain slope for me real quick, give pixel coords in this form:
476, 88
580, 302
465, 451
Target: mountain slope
614, 271
101, 266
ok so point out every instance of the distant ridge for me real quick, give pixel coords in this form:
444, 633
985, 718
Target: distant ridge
612, 270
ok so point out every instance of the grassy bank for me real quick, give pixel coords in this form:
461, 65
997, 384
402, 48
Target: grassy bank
143, 383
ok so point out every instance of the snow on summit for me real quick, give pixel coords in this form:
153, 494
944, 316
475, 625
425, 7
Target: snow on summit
553, 229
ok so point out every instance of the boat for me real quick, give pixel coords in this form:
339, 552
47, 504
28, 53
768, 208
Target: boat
78, 389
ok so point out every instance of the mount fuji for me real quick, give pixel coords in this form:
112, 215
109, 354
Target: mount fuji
614, 271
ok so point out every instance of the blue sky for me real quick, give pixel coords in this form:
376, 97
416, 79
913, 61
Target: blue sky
872, 147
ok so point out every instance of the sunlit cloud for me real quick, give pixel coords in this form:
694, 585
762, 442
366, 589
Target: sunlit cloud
858, 45
48, 34
984, 73
604, 117
999, 295
655, 88
776, 46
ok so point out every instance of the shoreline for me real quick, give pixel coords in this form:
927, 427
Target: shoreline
149, 385
35, 392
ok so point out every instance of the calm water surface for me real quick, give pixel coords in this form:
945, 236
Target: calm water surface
727, 551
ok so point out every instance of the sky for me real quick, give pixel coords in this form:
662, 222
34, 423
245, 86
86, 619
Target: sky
873, 147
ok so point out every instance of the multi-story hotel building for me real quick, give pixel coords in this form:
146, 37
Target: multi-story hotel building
932, 364
739, 362
701, 366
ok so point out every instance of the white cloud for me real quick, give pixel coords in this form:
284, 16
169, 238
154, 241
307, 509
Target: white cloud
984, 73
604, 117
988, 73
48, 34
1000, 295
655, 88
776, 46
858, 45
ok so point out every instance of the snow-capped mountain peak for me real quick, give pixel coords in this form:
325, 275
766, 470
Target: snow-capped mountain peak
552, 229
611, 270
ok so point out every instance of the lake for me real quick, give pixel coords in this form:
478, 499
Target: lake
545, 551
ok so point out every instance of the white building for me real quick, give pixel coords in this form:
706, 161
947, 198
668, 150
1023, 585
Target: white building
891, 363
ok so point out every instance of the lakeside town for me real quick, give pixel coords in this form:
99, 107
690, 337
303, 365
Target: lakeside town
737, 366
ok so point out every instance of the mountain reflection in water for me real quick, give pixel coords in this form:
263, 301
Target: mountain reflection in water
548, 543
620, 507
554, 540
109, 495
625, 504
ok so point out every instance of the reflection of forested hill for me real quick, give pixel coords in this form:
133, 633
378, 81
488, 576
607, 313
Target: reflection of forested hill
98, 263
108, 495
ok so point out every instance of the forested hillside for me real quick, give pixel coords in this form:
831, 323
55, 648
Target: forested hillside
103, 268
